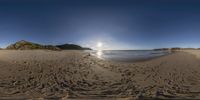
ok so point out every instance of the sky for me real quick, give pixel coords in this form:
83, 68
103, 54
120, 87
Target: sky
117, 24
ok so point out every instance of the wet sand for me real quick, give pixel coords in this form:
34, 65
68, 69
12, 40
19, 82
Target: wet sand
77, 75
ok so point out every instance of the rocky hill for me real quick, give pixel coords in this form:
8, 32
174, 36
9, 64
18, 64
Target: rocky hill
71, 47
25, 45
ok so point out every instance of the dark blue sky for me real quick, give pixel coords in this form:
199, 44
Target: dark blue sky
118, 24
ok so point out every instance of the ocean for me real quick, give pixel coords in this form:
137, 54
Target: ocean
128, 55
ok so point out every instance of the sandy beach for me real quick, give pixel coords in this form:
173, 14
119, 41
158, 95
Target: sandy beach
44, 74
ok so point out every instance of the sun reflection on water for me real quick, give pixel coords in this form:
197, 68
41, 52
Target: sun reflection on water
99, 53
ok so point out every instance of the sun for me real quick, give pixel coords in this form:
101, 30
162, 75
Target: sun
99, 44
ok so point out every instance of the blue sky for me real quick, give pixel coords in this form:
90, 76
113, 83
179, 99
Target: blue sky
118, 24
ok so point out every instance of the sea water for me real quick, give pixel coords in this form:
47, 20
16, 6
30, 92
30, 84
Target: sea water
128, 55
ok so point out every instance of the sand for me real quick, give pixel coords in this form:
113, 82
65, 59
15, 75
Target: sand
67, 75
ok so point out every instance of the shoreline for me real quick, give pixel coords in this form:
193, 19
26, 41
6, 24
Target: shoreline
129, 60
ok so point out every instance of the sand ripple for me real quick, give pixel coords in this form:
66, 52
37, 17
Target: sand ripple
76, 74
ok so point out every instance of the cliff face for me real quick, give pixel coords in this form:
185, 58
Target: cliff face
25, 45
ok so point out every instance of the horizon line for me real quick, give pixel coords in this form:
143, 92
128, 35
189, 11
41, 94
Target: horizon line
102, 49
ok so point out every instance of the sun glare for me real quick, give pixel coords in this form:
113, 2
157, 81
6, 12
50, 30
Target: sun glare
99, 44
99, 53
99, 49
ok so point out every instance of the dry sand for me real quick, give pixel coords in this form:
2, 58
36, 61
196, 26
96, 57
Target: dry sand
77, 75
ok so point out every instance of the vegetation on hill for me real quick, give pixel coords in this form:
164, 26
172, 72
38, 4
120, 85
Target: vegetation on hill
71, 47
26, 45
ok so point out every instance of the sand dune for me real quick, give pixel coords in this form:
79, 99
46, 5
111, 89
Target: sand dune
77, 75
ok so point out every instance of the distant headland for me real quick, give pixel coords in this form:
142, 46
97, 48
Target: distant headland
176, 48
